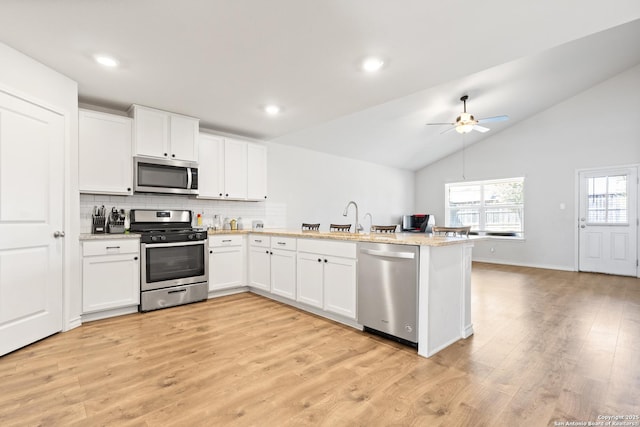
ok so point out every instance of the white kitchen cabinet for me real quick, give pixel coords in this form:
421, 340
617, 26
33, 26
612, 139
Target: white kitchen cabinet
211, 167
327, 275
226, 262
283, 267
260, 262
340, 278
231, 169
110, 274
256, 172
104, 153
166, 135
310, 279
235, 170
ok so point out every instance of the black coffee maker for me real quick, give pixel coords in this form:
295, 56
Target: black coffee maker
418, 223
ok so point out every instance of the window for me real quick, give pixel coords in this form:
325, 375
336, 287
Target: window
607, 200
495, 206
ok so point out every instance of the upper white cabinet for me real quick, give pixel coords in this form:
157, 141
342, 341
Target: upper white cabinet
105, 147
211, 167
256, 172
162, 134
235, 172
231, 169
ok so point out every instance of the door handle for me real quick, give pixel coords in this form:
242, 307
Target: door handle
388, 254
583, 226
58, 234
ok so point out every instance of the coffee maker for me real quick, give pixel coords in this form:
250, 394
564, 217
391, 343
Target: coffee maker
418, 223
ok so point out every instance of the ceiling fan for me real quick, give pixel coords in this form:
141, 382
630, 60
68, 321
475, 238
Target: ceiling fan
465, 122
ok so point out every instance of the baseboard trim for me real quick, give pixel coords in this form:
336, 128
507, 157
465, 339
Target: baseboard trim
72, 324
524, 264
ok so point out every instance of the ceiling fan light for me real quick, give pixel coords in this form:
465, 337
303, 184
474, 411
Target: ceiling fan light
465, 128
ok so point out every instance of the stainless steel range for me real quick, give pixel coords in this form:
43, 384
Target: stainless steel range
174, 266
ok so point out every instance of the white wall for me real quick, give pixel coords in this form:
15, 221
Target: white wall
315, 187
36, 81
596, 128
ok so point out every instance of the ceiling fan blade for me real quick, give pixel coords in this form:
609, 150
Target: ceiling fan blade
493, 119
481, 129
439, 124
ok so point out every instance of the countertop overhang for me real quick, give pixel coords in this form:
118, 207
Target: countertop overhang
415, 239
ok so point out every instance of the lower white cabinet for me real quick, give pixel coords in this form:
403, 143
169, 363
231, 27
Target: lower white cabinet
260, 262
226, 262
110, 274
283, 267
310, 279
340, 286
327, 276
272, 264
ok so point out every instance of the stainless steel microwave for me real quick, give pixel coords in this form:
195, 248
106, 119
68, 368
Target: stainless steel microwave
152, 175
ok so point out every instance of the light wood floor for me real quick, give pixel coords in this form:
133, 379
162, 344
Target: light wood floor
549, 346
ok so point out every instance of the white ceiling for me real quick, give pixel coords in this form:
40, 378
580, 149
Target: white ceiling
222, 60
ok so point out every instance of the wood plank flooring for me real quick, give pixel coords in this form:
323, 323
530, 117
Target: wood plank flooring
549, 347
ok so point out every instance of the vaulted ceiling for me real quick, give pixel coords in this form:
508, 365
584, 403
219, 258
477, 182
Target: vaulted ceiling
223, 61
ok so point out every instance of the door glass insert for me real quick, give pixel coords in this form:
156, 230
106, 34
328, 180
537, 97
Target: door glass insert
607, 200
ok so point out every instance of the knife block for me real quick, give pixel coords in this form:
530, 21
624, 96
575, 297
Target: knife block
98, 224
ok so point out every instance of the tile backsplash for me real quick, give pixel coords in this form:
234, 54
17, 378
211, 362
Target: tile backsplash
273, 214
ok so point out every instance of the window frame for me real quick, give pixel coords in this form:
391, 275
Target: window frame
482, 208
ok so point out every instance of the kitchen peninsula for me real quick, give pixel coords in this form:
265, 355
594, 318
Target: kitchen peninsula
444, 276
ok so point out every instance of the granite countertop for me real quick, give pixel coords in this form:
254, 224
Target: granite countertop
107, 236
419, 239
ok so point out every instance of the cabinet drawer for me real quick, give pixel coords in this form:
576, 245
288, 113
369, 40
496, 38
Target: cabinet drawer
109, 247
261, 241
287, 243
328, 247
225, 240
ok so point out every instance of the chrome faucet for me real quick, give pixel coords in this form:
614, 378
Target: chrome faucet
370, 219
358, 227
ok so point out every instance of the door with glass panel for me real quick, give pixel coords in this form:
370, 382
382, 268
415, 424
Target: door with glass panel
608, 221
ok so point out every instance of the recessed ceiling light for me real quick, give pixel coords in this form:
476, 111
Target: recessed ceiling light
272, 109
372, 64
105, 60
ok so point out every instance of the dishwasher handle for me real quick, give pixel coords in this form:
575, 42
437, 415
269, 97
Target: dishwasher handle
389, 254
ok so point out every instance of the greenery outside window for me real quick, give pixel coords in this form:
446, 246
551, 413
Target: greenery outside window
493, 207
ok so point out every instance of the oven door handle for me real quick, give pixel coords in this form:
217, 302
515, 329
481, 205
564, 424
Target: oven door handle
166, 245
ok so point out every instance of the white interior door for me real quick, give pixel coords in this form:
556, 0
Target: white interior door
31, 211
608, 221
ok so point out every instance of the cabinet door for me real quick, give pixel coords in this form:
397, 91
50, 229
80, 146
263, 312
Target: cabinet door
310, 277
151, 132
340, 286
283, 273
110, 281
235, 171
104, 154
256, 172
183, 140
260, 268
211, 168
225, 267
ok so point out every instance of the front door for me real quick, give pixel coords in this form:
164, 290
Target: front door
608, 221
31, 212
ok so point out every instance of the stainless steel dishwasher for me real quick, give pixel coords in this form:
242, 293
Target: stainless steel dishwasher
388, 290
